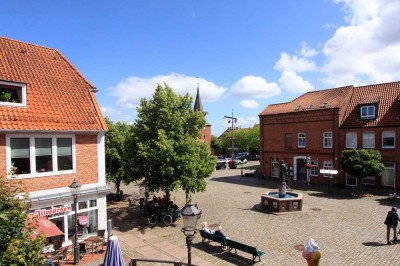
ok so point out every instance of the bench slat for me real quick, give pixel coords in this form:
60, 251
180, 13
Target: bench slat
245, 248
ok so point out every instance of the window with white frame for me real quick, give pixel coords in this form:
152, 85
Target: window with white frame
301, 140
369, 180
12, 94
388, 175
327, 140
275, 168
367, 112
32, 156
351, 140
388, 139
368, 140
314, 168
328, 166
351, 180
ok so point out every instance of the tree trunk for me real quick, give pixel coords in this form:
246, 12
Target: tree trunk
360, 186
117, 187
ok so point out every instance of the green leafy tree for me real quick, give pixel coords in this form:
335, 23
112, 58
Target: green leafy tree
116, 137
216, 145
362, 163
245, 139
17, 247
164, 151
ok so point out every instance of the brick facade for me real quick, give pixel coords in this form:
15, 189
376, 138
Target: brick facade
335, 112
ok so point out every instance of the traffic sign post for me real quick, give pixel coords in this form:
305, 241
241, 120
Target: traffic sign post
330, 172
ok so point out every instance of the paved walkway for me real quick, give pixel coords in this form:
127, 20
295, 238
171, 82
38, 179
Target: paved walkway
349, 230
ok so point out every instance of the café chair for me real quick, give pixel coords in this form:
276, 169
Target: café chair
61, 255
101, 234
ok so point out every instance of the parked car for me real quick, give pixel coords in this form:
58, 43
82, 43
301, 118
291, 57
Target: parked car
243, 156
253, 157
221, 162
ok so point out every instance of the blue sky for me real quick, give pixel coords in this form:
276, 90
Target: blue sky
244, 55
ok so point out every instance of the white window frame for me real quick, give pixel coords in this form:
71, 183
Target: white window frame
301, 140
327, 140
369, 180
274, 165
328, 165
366, 136
349, 177
370, 112
32, 156
314, 168
389, 166
353, 136
20, 88
393, 135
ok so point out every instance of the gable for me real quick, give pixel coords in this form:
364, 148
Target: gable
58, 97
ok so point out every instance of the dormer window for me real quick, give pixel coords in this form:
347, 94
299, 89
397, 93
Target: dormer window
12, 94
368, 112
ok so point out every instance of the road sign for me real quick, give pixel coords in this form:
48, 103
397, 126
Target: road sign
328, 171
230, 148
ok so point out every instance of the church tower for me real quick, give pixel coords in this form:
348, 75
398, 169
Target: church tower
206, 130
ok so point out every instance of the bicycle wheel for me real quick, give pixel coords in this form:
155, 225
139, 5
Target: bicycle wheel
152, 219
167, 219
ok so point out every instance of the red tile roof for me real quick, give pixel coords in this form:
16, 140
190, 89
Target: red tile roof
310, 101
348, 99
59, 98
386, 97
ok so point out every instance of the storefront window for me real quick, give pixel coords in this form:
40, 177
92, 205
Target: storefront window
93, 203
82, 205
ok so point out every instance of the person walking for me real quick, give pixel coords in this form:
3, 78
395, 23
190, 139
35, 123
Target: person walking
391, 221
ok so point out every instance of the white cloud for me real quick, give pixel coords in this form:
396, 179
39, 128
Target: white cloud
368, 49
117, 115
243, 122
295, 63
249, 104
295, 83
307, 51
257, 87
130, 90
329, 26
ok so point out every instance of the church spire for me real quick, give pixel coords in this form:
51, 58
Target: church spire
197, 103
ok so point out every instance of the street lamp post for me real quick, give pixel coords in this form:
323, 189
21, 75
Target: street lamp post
75, 188
190, 215
232, 120
308, 171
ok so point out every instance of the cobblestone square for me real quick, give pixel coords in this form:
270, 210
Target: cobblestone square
349, 230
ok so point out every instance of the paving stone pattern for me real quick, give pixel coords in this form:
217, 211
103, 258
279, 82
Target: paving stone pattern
350, 231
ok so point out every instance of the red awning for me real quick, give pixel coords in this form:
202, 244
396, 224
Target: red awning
47, 227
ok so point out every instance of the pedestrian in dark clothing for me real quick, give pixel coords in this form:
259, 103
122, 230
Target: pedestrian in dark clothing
391, 221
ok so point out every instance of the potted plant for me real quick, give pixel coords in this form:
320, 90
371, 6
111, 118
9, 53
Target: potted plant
5, 95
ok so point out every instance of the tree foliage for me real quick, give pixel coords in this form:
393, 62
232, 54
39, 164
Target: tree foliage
164, 152
116, 138
362, 163
245, 139
17, 247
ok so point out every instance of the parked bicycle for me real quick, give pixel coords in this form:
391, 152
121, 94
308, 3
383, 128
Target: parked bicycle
166, 213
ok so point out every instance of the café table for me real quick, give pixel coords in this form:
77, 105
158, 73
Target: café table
94, 240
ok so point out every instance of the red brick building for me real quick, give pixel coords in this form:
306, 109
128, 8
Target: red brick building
205, 132
310, 132
52, 132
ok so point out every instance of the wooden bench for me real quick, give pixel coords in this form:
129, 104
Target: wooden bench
245, 248
212, 237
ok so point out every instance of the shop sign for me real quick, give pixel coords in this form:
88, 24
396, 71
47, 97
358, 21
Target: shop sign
52, 211
83, 220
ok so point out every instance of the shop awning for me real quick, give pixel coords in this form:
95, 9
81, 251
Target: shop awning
47, 227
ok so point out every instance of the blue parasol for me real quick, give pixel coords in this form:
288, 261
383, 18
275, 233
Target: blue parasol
114, 256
